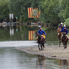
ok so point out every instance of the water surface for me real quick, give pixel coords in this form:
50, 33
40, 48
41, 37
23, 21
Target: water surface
10, 58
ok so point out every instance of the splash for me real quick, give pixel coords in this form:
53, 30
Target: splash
17, 43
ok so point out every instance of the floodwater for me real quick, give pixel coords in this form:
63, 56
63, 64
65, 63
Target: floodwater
11, 58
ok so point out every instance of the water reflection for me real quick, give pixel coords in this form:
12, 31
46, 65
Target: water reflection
10, 58
41, 62
20, 32
11, 31
63, 64
48, 63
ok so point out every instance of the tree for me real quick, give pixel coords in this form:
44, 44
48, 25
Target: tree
49, 11
4, 10
64, 10
66, 22
19, 7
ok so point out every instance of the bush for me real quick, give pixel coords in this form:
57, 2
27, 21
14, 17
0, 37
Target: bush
66, 22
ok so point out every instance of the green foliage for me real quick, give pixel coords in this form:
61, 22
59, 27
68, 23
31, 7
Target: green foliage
20, 7
66, 22
64, 10
4, 10
50, 9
